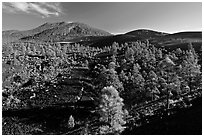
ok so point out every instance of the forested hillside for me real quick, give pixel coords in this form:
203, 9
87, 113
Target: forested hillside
52, 88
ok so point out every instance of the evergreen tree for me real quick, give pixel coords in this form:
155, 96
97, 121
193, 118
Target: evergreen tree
111, 65
123, 77
175, 85
136, 69
114, 48
109, 77
152, 84
191, 70
123, 64
86, 63
129, 55
71, 122
111, 111
158, 54
162, 86
113, 59
168, 66
178, 52
23, 49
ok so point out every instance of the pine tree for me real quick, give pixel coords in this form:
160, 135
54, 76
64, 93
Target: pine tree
109, 77
129, 55
23, 49
175, 85
111, 111
162, 85
158, 54
178, 52
86, 63
136, 69
114, 48
111, 65
168, 66
191, 70
113, 59
137, 78
123, 77
123, 64
71, 122
152, 83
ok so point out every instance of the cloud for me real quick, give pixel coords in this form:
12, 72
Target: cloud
44, 9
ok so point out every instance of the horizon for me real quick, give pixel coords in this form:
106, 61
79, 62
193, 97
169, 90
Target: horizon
115, 33
113, 17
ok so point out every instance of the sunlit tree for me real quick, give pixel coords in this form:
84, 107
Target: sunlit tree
111, 111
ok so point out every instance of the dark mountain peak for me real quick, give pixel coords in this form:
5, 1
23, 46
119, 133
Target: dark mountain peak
146, 32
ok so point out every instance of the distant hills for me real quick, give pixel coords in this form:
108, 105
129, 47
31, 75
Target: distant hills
146, 34
59, 31
81, 33
159, 39
14, 35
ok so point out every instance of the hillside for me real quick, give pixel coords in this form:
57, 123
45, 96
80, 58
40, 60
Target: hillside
186, 34
159, 39
179, 40
66, 31
42, 90
51, 88
10, 35
98, 41
54, 32
84, 34
13, 35
102, 41
146, 34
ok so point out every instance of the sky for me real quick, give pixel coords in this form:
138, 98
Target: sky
114, 17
